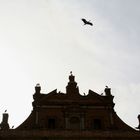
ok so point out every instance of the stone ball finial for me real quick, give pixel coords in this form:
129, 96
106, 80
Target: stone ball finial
71, 77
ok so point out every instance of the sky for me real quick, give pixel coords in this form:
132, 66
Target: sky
41, 41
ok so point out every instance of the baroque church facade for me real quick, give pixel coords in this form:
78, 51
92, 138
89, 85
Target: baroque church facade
70, 116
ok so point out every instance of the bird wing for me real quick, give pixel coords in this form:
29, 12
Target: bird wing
84, 20
90, 23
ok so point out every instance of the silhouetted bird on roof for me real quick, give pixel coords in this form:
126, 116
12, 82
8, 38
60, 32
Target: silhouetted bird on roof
5, 111
87, 22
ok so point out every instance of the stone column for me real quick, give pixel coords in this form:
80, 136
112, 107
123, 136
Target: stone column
82, 123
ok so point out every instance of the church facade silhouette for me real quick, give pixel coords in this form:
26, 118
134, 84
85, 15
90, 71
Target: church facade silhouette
70, 116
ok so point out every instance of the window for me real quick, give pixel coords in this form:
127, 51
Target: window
51, 123
96, 124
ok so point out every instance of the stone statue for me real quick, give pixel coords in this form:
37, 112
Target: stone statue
139, 122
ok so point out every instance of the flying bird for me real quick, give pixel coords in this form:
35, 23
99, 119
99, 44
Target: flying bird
87, 22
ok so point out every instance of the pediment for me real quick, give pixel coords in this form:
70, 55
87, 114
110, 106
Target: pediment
51, 97
95, 97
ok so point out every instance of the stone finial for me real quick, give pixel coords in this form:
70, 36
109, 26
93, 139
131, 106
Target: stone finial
71, 77
72, 88
4, 124
37, 88
107, 91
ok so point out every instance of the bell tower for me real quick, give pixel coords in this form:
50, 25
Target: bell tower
72, 88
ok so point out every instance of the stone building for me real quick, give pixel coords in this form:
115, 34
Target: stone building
70, 116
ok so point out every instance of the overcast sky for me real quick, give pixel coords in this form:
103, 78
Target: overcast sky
41, 41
